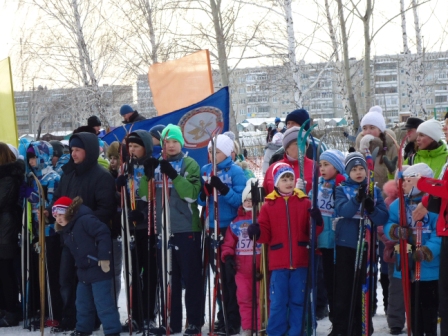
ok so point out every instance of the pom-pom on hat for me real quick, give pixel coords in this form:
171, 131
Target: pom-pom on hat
230, 134
298, 116
281, 169
224, 144
61, 205
125, 109
248, 188
335, 158
354, 159
174, 133
431, 128
374, 117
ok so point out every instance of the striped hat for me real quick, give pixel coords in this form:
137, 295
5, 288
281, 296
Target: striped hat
335, 158
61, 205
279, 170
354, 159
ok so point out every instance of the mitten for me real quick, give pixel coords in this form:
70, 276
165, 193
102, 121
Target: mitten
105, 265
136, 216
216, 182
369, 205
300, 184
254, 231
149, 165
121, 181
365, 142
390, 165
317, 216
361, 194
423, 254
231, 265
397, 232
167, 169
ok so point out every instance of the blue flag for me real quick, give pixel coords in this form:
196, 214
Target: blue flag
194, 120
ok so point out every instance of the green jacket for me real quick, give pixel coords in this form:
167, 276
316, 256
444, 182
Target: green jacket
435, 158
184, 212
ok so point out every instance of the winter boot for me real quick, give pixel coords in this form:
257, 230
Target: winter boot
192, 330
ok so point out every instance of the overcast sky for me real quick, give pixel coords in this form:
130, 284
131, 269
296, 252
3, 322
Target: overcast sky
432, 18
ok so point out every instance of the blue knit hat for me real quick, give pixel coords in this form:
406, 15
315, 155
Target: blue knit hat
125, 109
354, 159
299, 116
335, 158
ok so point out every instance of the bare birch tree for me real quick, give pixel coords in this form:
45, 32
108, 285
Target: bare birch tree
420, 78
407, 60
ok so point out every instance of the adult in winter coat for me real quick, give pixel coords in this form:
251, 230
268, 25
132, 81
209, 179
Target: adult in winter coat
83, 177
410, 127
374, 134
431, 149
291, 158
89, 241
271, 148
12, 174
130, 115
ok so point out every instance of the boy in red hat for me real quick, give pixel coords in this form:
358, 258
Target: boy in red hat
90, 243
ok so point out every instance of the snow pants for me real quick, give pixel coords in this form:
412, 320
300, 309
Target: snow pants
96, 295
287, 295
244, 286
396, 315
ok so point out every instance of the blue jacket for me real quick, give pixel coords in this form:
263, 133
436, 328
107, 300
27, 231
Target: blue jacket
347, 227
89, 241
429, 270
233, 176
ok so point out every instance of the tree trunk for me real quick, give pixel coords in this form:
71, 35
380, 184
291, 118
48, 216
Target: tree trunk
407, 60
367, 44
420, 55
152, 36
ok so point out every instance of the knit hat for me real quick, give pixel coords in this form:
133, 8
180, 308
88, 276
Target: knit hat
174, 133
134, 138
224, 144
93, 121
61, 205
354, 159
431, 128
230, 134
374, 117
280, 169
113, 150
58, 148
411, 123
248, 188
335, 158
290, 136
76, 142
125, 109
155, 131
419, 168
30, 153
277, 139
299, 116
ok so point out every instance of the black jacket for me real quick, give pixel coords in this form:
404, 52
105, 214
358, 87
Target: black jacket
92, 182
134, 118
11, 177
89, 241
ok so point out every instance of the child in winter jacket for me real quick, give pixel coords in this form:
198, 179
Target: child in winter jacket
90, 244
237, 250
284, 225
428, 255
349, 197
331, 166
229, 182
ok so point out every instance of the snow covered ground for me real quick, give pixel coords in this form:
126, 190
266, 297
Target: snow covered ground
323, 329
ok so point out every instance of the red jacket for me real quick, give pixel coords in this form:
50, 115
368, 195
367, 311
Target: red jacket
437, 188
285, 226
238, 244
268, 183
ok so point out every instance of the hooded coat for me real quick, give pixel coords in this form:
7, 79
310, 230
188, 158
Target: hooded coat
134, 118
93, 183
11, 177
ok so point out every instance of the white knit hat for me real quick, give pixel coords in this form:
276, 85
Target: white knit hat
419, 168
224, 144
277, 139
431, 128
248, 188
374, 117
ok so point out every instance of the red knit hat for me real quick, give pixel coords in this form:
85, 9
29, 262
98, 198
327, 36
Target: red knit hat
280, 169
61, 205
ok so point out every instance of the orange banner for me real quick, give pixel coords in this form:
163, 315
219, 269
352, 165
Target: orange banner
180, 83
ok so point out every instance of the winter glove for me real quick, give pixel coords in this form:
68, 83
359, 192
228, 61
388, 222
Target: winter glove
25, 191
397, 232
121, 181
254, 231
167, 169
361, 195
317, 216
231, 265
216, 182
365, 142
369, 205
390, 165
105, 265
149, 165
136, 216
423, 254
300, 184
